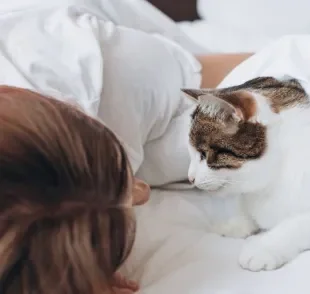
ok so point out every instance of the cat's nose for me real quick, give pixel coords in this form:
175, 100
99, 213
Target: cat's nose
191, 180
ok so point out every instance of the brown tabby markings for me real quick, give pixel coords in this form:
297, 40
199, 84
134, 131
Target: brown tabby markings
223, 150
281, 94
226, 150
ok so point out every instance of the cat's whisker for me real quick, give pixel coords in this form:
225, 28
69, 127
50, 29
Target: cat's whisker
222, 181
234, 182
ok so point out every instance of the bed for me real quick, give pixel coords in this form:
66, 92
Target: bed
174, 253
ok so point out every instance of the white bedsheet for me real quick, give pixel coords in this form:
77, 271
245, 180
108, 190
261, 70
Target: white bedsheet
174, 253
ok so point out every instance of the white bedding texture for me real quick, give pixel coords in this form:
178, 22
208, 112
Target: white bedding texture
174, 252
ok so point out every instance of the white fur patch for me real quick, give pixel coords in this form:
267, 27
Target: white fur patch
213, 111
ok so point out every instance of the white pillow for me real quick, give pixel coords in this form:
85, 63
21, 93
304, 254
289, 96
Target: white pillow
270, 17
221, 39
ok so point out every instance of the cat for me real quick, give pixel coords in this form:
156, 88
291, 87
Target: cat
252, 142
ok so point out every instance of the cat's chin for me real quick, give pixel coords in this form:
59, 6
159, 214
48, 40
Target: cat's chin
213, 190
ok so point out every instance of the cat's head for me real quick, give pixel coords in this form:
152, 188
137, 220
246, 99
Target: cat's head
228, 140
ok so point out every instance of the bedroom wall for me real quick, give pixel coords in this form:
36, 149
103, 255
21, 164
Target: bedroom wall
272, 17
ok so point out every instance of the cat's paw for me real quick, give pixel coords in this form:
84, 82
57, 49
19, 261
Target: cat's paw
238, 227
257, 255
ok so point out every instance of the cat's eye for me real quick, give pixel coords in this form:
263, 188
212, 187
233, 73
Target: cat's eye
223, 150
220, 150
203, 155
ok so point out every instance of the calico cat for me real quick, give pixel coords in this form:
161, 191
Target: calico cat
252, 141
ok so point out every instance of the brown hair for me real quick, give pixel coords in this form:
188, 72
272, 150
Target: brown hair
64, 180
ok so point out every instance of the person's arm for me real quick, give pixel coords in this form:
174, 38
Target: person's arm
216, 67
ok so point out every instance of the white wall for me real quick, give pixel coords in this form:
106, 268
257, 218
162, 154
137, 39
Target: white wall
258, 16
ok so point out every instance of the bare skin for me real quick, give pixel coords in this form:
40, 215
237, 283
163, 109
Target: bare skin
124, 285
140, 194
216, 67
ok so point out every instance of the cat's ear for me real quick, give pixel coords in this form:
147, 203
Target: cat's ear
194, 94
238, 106
219, 109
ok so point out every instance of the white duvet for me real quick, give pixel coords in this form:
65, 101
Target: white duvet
173, 254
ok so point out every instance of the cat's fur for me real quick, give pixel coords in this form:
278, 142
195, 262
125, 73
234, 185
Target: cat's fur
252, 142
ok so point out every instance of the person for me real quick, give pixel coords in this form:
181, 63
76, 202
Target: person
67, 191
68, 173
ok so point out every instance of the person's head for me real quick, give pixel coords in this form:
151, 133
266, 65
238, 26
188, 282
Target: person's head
66, 191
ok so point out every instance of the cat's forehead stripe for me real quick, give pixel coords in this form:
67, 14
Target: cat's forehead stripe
281, 94
248, 144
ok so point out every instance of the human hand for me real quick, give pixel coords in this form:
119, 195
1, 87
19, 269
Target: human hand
122, 291
123, 285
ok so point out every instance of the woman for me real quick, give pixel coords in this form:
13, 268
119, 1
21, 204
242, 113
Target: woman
67, 190
67, 184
